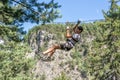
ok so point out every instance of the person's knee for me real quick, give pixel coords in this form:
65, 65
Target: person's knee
55, 46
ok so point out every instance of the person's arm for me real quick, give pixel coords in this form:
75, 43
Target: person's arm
78, 22
68, 34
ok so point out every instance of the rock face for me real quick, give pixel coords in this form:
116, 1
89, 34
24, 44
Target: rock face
53, 69
38, 39
62, 59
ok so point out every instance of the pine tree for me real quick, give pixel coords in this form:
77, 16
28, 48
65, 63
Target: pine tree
104, 60
20, 11
16, 12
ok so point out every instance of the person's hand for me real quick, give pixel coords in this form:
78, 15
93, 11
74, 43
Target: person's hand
78, 21
68, 27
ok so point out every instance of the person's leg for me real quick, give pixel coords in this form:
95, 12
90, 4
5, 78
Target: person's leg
48, 50
51, 53
51, 50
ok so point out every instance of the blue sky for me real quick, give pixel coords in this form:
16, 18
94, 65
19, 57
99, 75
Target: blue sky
72, 10
82, 9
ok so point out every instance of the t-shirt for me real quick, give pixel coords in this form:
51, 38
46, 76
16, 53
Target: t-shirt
75, 38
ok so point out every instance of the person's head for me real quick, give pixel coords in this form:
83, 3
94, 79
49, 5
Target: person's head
79, 29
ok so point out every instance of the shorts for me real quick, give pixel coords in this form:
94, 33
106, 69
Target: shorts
66, 46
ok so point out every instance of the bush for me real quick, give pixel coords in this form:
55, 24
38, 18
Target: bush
14, 65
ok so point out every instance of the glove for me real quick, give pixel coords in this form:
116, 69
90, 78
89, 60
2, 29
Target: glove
78, 21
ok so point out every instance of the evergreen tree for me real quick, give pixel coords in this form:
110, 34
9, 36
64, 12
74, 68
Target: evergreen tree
14, 64
104, 60
16, 12
20, 11
11, 33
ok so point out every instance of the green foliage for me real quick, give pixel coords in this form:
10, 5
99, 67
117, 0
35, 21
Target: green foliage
20, 11
14, 65
16, 12
103, 62
62, 77
11, 33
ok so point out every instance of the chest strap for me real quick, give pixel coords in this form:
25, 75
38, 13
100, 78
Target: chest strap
75, 39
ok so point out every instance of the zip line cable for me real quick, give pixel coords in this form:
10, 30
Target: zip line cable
93, 20
84, 21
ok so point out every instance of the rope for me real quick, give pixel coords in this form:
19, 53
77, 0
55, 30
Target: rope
85, 21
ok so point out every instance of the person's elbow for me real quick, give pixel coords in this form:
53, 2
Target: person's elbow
68, 36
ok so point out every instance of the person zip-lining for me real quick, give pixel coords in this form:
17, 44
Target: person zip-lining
71, 40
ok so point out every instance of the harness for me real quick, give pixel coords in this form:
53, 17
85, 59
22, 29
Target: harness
75, 39
72, 41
